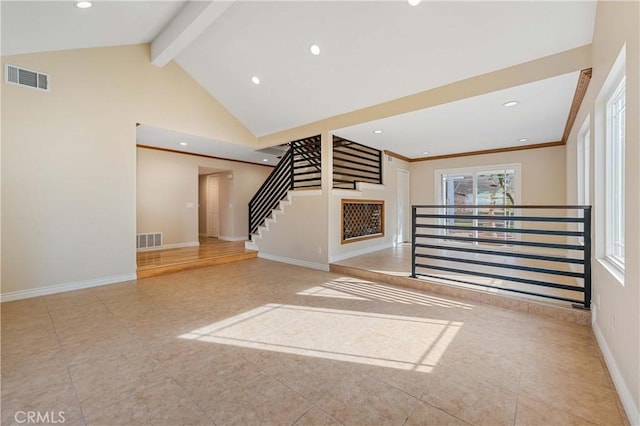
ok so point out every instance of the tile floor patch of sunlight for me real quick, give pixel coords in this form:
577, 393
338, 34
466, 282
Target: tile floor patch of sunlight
470, 281
327, 292
395, 341
357, 289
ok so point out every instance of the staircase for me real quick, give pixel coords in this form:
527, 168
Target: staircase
299, 168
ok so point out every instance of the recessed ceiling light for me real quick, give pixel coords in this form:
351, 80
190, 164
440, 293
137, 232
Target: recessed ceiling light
255, 80
414, 2
425, 152
183, 143
265, 160
314, 49
523, 140
377, 131
510, 103
83, 4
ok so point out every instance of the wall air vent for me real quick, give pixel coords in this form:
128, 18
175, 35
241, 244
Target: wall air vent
25, 77
147, 241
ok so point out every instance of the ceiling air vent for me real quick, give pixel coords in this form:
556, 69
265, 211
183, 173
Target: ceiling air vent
25, 77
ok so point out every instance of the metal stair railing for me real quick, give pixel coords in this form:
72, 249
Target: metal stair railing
290, 173
307, 163
273, 190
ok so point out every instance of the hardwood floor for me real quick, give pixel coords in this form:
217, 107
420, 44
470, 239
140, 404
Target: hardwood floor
210, 252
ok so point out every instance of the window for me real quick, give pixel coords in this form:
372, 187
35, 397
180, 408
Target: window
608, 160
614, 175
494, 187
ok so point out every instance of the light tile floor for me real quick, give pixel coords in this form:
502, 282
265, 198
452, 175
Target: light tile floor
258, 342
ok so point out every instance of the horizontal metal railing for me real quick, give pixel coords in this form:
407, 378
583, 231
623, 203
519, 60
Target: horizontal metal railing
306, 163
353, 162
459, 240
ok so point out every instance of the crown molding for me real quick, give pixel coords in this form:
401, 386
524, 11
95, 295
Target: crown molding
578, 97
489, 151
398, 156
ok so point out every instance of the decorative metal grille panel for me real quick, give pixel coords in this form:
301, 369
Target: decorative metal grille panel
362, 219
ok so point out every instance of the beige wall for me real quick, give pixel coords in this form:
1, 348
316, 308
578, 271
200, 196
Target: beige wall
168, 181
167, 197
542, 181
617, 23
299, 235
69, 161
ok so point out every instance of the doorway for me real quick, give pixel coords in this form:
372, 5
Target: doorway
403, 208
212, 206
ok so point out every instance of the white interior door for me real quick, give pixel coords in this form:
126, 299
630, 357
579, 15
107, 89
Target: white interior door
403, 226
213, 210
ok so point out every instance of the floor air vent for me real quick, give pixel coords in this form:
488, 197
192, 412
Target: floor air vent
25, 77
153, 240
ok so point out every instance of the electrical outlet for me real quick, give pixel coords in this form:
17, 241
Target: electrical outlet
319, 250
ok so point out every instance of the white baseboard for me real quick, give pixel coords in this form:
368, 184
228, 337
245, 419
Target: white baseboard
618, 380
297, 262
172, 246
360, 252
59, 288
222, 237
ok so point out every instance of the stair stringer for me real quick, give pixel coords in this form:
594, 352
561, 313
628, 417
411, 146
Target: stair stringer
272, 218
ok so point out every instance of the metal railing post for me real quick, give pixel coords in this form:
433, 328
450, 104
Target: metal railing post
380, 167
249, 224
291, 165
413, 241
292, 162
587, 257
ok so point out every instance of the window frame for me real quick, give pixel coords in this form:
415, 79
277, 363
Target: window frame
476, 171
615, 174
601, 167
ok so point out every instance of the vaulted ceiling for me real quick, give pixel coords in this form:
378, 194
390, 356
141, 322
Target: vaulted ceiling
371, 53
